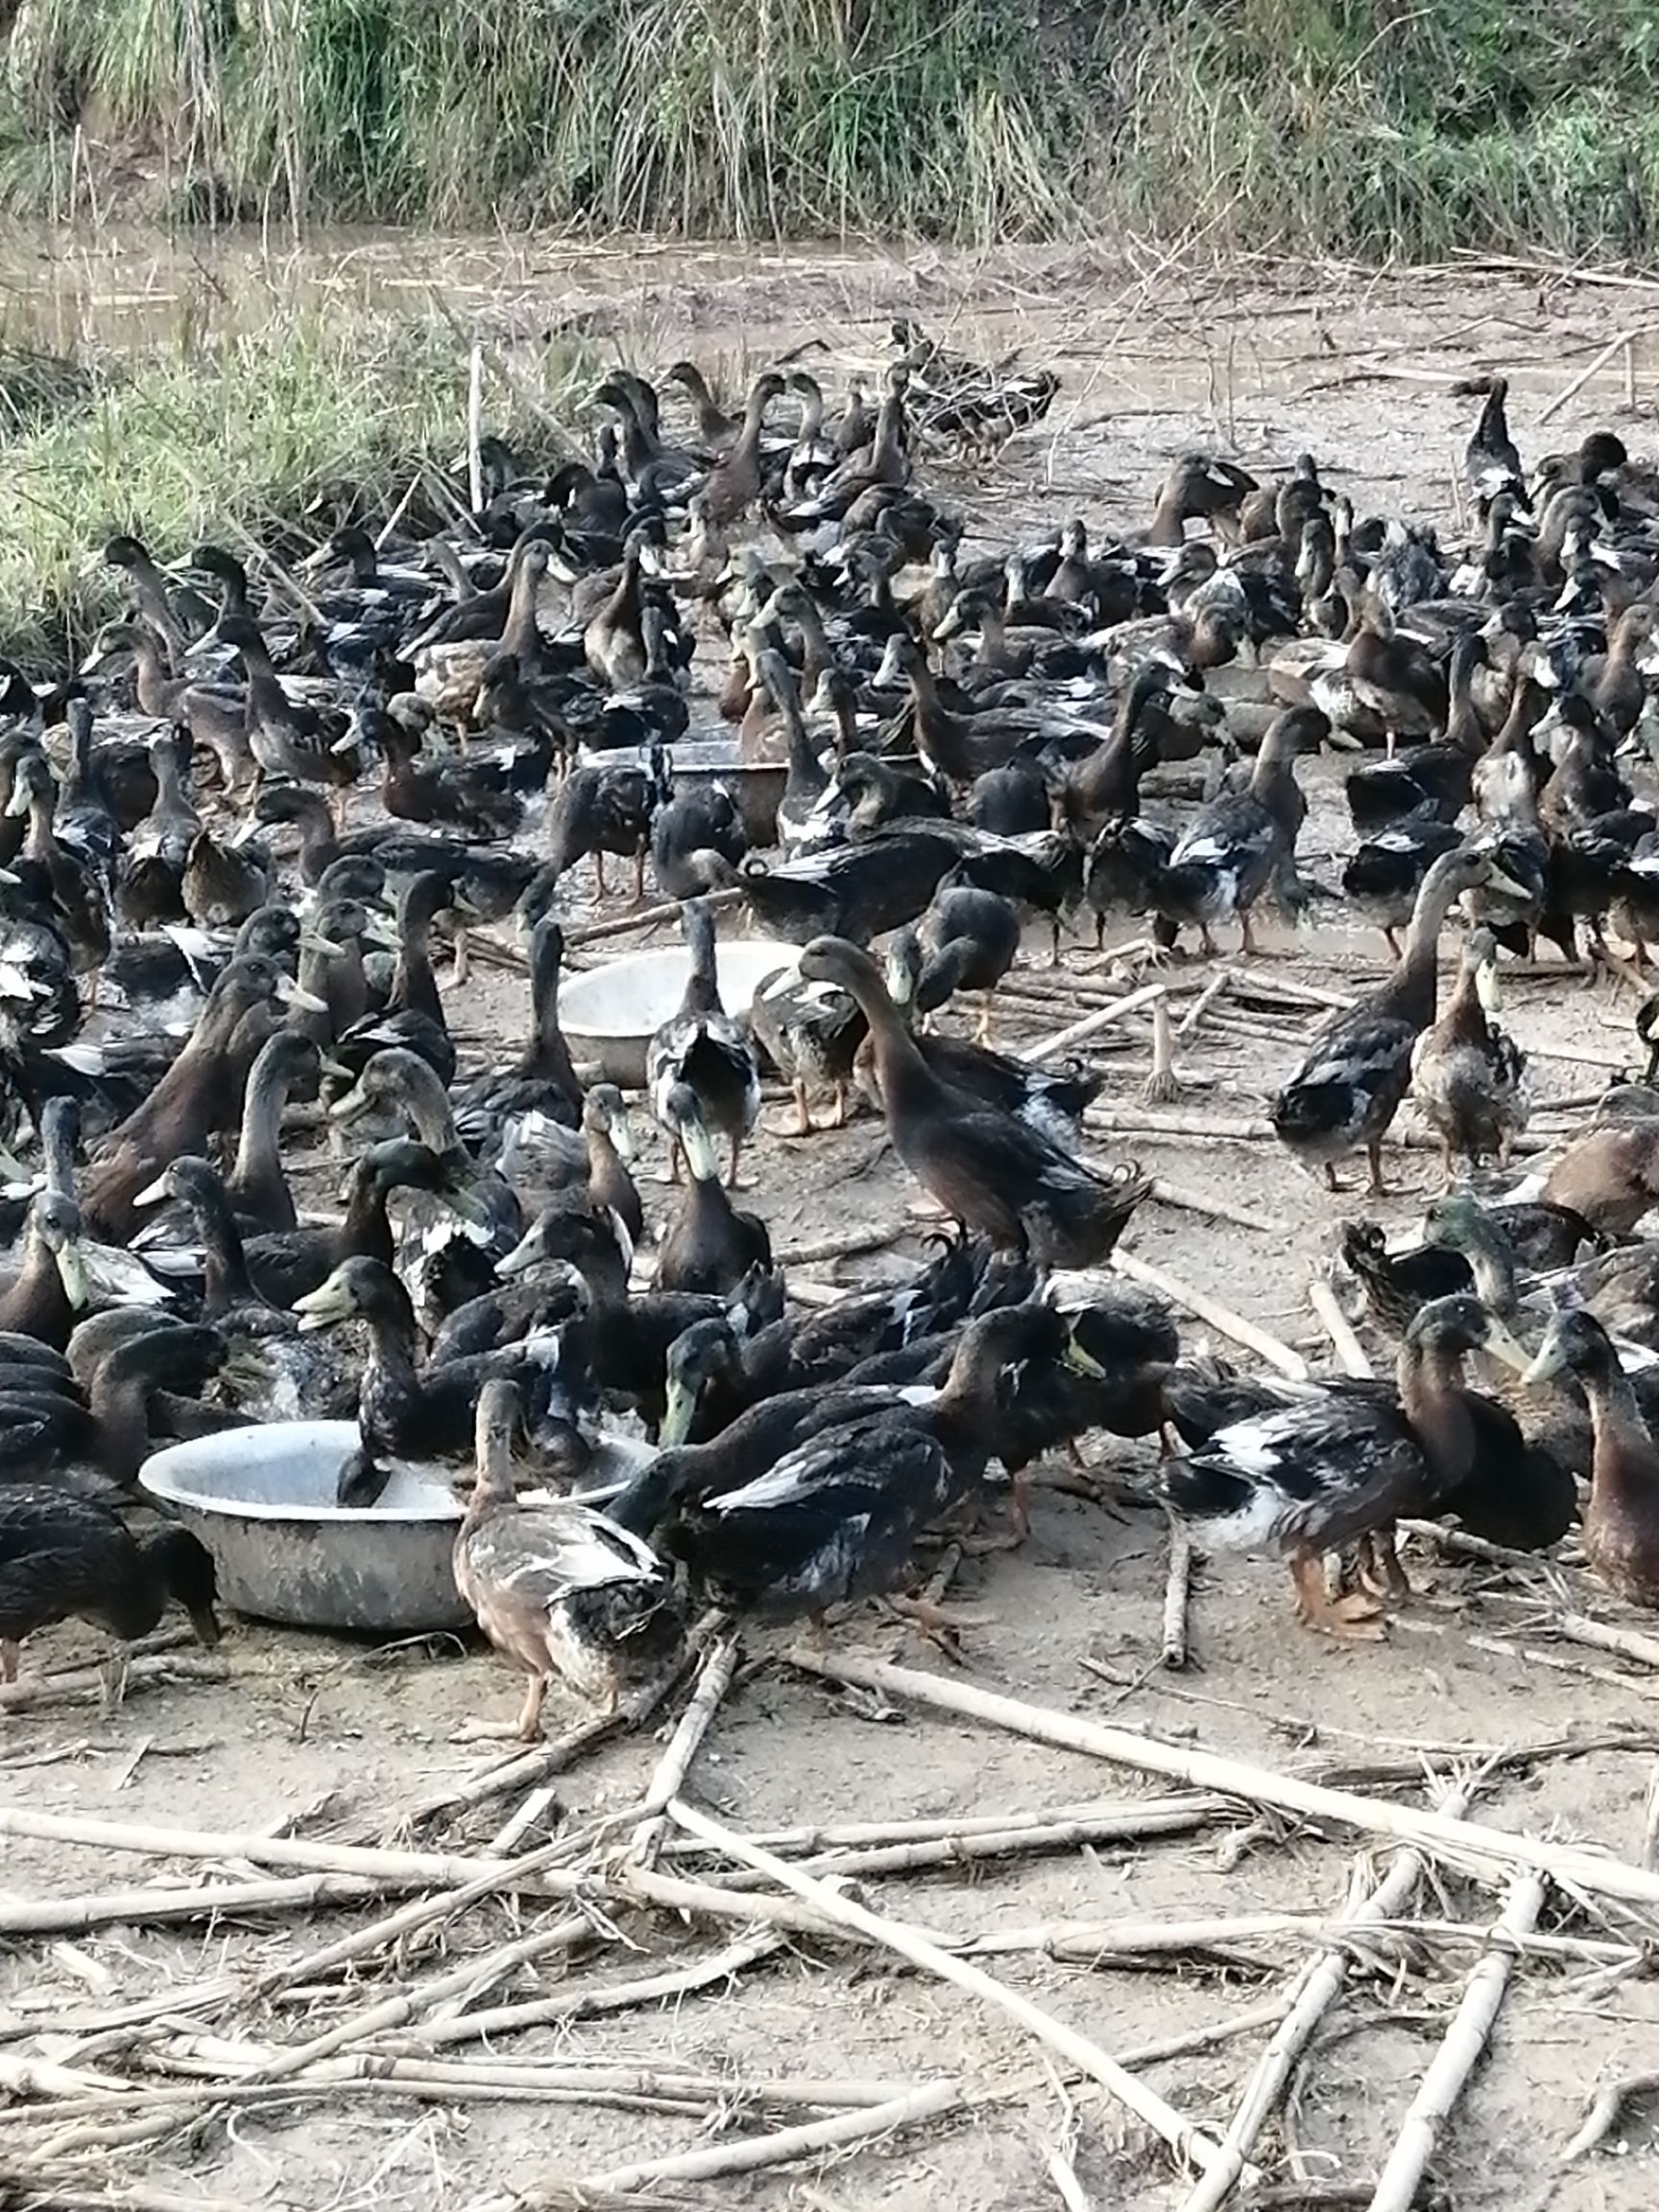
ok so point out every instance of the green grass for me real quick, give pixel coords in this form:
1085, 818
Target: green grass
1349, 126
234, 438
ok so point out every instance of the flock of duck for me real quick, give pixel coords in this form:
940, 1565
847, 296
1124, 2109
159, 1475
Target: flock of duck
237, 849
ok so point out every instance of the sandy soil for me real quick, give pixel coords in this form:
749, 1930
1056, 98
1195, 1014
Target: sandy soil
339, 1742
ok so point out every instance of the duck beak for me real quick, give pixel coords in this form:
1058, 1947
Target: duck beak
356, 1101
1342, 740
462, 1199
322, 1308
1504, 885
1083, 1362
679, 1410
523, 1256
1502, 1346
248, 831
326, 945
382, 934
622, 1138
347, 744
155, 1193
290, 994
72, 1272
699, 1149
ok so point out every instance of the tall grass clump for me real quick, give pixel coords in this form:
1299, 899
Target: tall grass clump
240, 437
1361, 126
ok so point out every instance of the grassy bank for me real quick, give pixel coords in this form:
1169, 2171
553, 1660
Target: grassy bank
235, 438
1360, 128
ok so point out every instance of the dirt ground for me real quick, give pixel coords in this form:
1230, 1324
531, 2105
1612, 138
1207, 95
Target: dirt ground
314, 1737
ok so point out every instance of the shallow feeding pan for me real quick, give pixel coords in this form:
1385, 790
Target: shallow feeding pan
610, 1013
262, 1501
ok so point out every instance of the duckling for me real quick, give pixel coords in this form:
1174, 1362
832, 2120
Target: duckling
711, 1246
1468, 1077
811, 1033
1344, 1461
556, 1586
703, 1048
65, 1557
698, 841
1620, 1533
1351, 1084
50, 1290
989, 1170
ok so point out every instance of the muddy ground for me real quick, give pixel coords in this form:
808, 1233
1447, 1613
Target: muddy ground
338, 1741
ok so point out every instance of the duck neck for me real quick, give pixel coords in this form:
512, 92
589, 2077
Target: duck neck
226, 1283
519, 635
392, 1340
366, 1231
1625, 1472
413, 986
428, 1106
1413, 988
259, 1169
546, 1053
1430, 1384
118, 1399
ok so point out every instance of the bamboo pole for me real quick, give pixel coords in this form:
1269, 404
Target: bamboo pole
1188, 2142
1210, 1309
1459, 2053
445, 1868
1483, 1847
1092, 1024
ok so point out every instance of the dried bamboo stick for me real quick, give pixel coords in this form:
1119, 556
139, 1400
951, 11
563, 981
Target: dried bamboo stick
1459, 2053
443, 1868
1183, 2138
746, 2157
1205, 1000
1572, 391
395, 1927
581, 2003
525, 1768
1317, 1988
1002, 1843
1604, 1636
1571, 1866
1348, 1349
644, 918
1603, 2116
714, 1679
1210, 1309
1177, 1590
202, 1900
1091, 1025
86, 1685
1190, 1201
1091, 1821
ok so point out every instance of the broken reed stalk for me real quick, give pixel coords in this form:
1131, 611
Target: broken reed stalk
1318, 1988
1177, 1593
645, 918
713, 1680
1625, 338
1091, 1025
476, 428
583, 2004
86, 1685
1459, 2053
1205, 998
1212, 1310
396, 1926
1348, 1349
747, 2158
1484, 1848
1188, 2142
525, 1768
202, 1900
1190, 1201
1603, 2114
448, 1869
